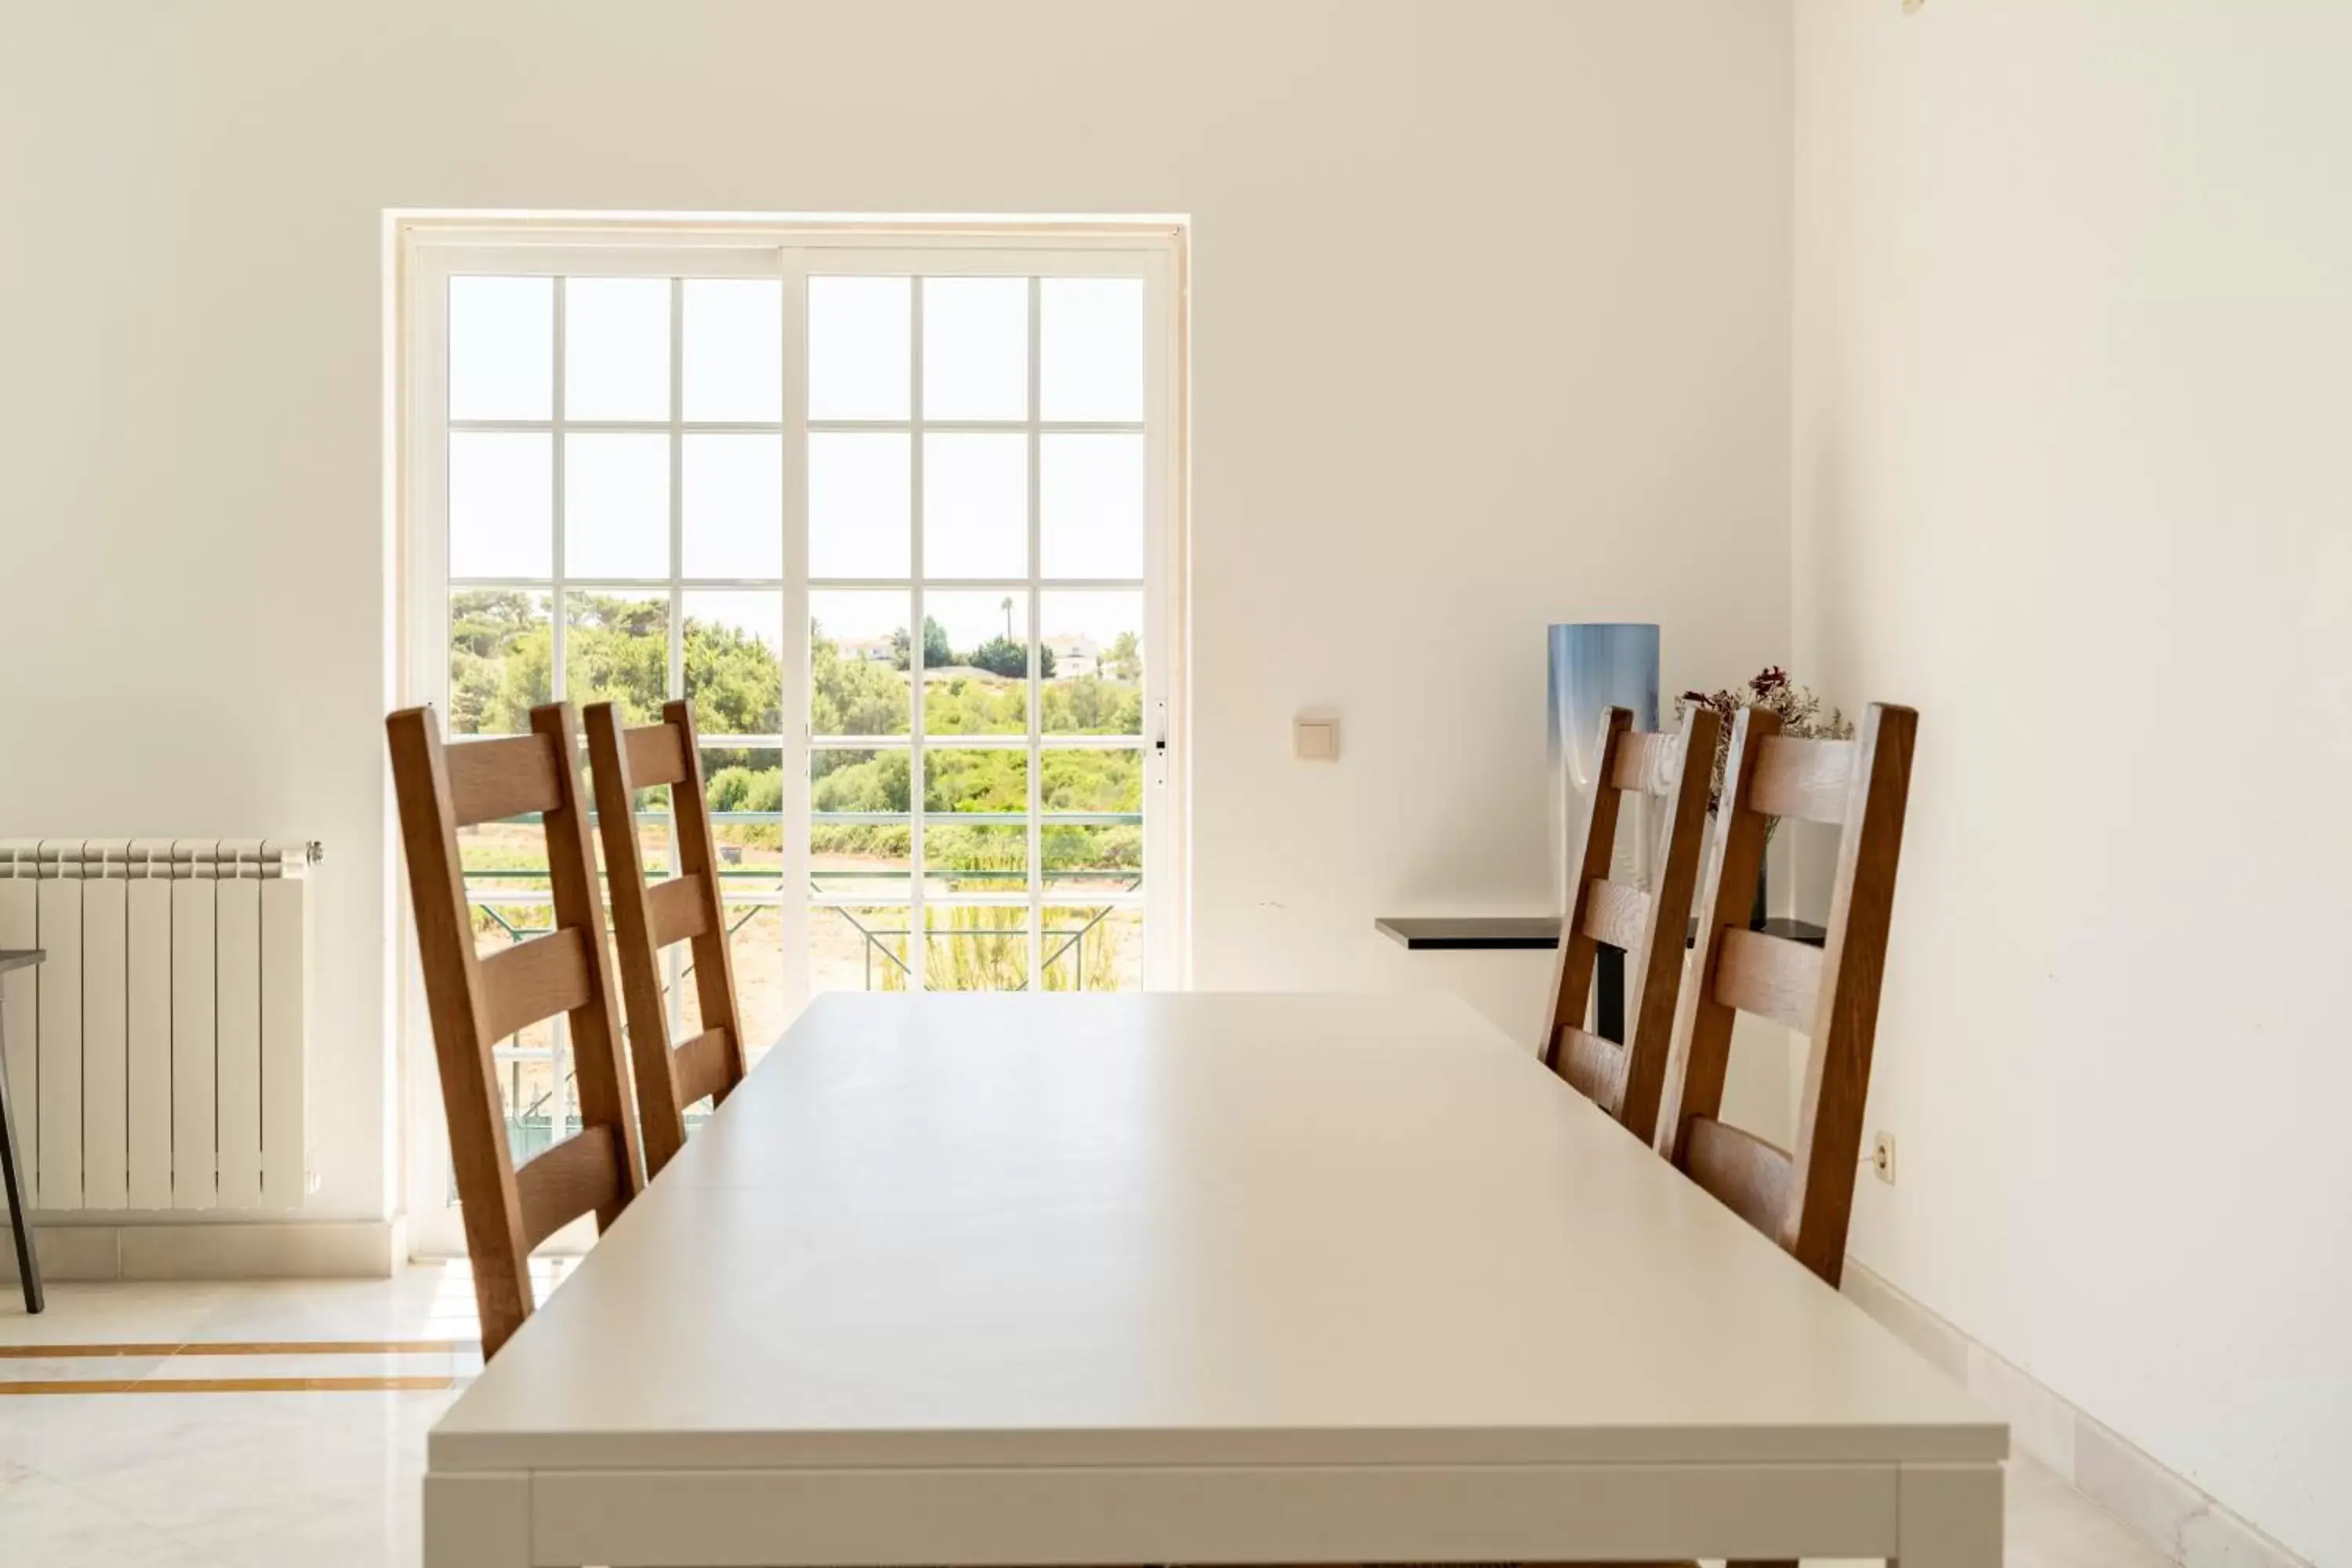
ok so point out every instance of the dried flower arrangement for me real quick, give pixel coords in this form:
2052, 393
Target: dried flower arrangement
1799, 710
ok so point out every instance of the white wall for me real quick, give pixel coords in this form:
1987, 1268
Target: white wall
2073, 383
1490, 329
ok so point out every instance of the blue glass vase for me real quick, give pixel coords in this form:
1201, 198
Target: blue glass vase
1593, 665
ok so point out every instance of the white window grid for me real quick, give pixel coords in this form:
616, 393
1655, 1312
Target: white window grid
676, 584
726, 250
1035, 742
560, 584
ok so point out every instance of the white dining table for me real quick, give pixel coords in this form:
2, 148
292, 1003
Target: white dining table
1191, 1279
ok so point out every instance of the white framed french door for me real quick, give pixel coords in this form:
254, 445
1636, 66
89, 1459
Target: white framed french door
898, 514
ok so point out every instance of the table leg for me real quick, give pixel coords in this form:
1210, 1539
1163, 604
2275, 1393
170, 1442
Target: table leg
12, 1179
1949, 1516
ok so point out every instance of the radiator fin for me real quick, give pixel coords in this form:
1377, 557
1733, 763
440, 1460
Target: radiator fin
147, 988
157, 1056
105, 1044
195, 1065
237, 1040
56, 985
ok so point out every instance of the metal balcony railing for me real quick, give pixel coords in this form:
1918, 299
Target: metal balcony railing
531, 1121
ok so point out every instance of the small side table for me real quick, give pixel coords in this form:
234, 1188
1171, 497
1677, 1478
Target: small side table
1540, 934
13, 1174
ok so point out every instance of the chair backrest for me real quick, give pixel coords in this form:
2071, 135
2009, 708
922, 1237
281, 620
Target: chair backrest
477, 1001
1803, 1199
1624, 1077
649, 918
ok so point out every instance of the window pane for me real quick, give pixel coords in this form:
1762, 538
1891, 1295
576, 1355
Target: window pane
1097, 846
968, 780
975, 858
981, 948
529, 1085
1090, 343
1095, 948
501, 504
503, 860
859, 657
852, 781
500, 659
1091, 506
1090, 859
1093, 781
755, 950
733, 503
858, 948
745, 789
1092, 650
860, 504
501, 348
859, 835
975, 505
860, 353
616, 348
981, 687
735, 662
975, 348
616, 505
734, 349
616, 649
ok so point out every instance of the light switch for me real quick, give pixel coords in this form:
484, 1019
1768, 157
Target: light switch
1314, 740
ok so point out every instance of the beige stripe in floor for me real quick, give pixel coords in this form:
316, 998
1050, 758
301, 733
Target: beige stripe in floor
232, 1385
240, 1347
277, 1355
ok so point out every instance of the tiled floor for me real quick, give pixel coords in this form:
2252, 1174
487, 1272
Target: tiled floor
329, 1479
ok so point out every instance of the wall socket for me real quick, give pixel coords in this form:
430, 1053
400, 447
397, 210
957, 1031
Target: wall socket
1882, 1156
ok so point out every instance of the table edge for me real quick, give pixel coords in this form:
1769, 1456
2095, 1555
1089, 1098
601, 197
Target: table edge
1922, 1442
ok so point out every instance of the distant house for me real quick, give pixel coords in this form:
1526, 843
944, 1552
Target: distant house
872, 650
1075, 653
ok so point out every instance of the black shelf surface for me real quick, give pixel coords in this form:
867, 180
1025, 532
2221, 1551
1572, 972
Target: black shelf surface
1533, 933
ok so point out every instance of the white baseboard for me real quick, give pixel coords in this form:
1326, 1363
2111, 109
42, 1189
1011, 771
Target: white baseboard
2163, 1508
261, 1249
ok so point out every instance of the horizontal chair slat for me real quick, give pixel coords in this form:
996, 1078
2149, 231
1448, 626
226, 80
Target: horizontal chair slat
577, 1176
1645, 761
1810, 780
1590, 1064
700, 1065
493, 779
1770, 976
675, 910
1747, 1175
533, 980
656, 757
1616, 913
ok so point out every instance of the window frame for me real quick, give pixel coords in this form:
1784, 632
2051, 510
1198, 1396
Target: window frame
430, 251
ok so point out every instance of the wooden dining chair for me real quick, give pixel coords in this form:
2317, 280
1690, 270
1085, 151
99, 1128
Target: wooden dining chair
477, 1000
1626, 1077
647, 918
1801, 1200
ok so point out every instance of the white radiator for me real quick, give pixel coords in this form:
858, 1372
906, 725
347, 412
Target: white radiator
156, 1059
